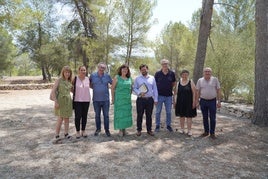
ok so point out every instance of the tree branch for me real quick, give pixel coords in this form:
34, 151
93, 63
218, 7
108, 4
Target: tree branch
225, 4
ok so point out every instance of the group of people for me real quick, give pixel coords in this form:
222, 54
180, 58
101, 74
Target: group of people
152, 91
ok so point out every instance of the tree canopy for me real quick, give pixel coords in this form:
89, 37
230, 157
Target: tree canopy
48, 34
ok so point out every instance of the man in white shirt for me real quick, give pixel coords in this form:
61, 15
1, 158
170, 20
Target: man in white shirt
209, 97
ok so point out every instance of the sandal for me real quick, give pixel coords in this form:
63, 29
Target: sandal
57, 136
67, 136
77, 135
125, 132
121, 134
84, 135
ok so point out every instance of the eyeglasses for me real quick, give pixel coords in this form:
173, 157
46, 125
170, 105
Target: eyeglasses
102, 67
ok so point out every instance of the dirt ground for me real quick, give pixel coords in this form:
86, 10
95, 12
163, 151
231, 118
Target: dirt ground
27, 150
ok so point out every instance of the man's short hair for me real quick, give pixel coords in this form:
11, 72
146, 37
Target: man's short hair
164, 61
207, 69
143, 65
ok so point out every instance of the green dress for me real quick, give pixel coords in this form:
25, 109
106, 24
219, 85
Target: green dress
64, 99
122, 103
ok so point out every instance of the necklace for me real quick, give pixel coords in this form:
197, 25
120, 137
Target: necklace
184, 82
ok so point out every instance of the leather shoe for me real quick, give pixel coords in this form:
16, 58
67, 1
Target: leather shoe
97, 132
150, 133
169, 128
107, 132
212, 136
204, 134
138, 133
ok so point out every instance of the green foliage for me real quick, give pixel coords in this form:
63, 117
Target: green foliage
237, 14
24, 66
232, 55
134, 23
176, 44
114, 32
8, 10
36, 31
54, 55
6, 48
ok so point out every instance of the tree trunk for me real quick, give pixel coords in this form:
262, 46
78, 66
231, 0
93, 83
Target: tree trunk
43, 72
204, 30
40, 60
85, 60
260, 116
48, 74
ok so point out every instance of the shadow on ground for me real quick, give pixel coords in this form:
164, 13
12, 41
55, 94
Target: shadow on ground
28, 151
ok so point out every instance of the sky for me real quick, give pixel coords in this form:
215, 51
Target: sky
172, 10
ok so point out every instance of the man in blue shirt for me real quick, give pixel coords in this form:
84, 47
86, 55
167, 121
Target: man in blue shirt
99, 82
146, 90
165, 81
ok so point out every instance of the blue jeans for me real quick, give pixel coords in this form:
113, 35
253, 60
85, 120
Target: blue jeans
104, 106
167, 100
208, 108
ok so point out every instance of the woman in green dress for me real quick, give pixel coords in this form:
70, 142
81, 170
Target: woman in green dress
60, 94
121, 98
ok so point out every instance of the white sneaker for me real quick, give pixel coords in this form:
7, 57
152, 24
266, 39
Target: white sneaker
181, 131
189, 133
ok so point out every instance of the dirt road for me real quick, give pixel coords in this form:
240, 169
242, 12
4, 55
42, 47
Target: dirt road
27, 150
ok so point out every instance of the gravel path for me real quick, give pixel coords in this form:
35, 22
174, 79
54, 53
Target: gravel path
27, 149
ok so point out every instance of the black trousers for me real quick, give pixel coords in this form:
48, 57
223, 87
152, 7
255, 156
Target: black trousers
80, 111
144, 105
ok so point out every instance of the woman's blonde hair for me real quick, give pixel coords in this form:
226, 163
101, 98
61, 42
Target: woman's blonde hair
68, 69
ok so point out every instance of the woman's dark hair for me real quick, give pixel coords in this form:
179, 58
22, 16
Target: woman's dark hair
120, 69
184, 71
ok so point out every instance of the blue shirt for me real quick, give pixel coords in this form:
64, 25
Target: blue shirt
164, 82
100, 86
150, 83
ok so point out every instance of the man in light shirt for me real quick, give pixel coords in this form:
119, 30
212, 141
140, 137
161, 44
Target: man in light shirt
209, 97
146, 90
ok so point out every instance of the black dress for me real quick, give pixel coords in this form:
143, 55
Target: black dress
184, 101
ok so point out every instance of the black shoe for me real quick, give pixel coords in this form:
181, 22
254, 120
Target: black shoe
150, 133
107, 132
97, 132
138, 133
169, 128
157, 128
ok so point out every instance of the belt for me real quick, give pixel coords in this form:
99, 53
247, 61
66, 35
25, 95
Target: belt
143, 97
209, 99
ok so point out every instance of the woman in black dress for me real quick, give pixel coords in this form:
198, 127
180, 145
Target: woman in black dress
184, 101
